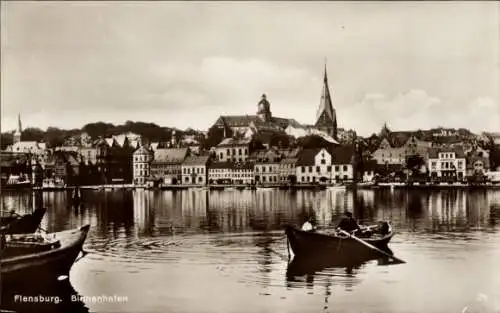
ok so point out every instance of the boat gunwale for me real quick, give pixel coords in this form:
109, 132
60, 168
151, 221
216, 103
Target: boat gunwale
77, 235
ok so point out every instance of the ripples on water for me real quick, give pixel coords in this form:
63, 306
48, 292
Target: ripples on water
223, 251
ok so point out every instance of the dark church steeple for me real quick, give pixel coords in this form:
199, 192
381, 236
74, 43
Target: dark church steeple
326, 117
264, 109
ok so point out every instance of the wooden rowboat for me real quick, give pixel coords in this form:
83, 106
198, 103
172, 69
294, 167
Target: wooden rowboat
12, 223
46, 261
304, 243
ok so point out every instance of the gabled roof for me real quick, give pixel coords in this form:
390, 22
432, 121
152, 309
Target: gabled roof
306, 156
110, 141
196, 160
342, 154
142, 150
170, 155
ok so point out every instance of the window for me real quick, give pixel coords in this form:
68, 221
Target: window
187, 179
256, 169
228, 152
307, 178
270, 169
323, 161
221, 156
246, 151
239, 151
303, 169
303, 178
345, 168
200, 179
310, 169
202, 170
263, 169
433, 164
336, 168
234, 151
317, 169
345, 177
328, 168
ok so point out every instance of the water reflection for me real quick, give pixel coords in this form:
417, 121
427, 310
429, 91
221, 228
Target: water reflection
145, 213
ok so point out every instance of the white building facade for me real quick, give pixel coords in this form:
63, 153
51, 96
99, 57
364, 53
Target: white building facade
141, 161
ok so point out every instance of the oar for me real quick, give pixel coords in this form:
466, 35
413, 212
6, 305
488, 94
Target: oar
370, 246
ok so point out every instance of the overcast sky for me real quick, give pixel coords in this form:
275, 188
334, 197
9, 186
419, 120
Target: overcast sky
413, 65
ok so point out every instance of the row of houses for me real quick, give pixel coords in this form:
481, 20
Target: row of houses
264, 166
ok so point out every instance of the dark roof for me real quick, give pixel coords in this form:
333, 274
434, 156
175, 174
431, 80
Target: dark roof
306, 156
196, 160
244, 120
342, 154
171, 155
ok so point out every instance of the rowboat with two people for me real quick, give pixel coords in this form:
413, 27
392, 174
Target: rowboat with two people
13, 223
44, 256
347, 241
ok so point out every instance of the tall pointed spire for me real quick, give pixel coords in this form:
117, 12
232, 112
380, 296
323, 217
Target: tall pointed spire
325, 76
19, 129
326, 118
19, 126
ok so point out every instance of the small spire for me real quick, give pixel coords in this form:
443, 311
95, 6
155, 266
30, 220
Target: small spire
325, 78
19, 126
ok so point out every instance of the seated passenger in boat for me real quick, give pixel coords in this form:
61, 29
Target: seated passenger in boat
308, 226
348, 223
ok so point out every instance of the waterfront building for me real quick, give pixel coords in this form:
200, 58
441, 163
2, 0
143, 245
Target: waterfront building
314, 166
167, 164
448, 163
194, 170
267, 166
342, 168
233, 150
62, 168
288, 163
231, 173
142, 158
395, 147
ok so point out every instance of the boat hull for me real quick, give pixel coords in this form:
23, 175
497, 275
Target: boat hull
46, 266
304, 243
25, 224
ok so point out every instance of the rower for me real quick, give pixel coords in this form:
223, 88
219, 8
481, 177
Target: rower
348, 223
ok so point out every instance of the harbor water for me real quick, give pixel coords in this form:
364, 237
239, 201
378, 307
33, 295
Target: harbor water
224, 251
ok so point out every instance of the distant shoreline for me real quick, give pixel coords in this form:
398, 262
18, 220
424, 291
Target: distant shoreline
440, 186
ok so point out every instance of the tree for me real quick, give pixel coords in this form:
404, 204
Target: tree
32, 134
6, 140
214, 136
313, 141
414, 163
